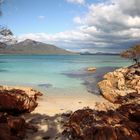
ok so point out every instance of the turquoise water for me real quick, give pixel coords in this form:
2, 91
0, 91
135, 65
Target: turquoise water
34, 70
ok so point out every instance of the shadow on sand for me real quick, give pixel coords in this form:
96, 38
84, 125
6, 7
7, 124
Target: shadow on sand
44, 127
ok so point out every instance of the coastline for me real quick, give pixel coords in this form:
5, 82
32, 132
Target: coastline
56, 107
54, 101
122, 106
48, 116
56, 104
62, 98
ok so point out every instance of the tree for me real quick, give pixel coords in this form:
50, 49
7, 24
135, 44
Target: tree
5, 31
6, 35
133, 53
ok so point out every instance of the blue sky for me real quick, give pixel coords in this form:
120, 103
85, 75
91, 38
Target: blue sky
78, 25
51, 16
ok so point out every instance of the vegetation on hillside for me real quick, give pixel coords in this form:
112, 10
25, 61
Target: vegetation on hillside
132, 53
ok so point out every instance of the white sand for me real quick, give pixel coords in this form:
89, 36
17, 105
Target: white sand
61, 101
47, 116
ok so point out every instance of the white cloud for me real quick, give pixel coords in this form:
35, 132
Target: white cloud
41, 17
111, 25
77, 20
82, 2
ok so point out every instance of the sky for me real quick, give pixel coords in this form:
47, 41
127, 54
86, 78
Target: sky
77, 25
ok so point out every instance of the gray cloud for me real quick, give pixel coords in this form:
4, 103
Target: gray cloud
130, 8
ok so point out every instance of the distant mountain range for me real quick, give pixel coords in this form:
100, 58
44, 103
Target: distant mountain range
98, 53
31, 47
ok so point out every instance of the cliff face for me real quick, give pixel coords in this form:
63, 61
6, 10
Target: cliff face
32, 47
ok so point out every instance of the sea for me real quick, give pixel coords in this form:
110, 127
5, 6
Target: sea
57, 72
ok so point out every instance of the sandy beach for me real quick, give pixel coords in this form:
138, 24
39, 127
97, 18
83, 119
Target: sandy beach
48, 116
52, 105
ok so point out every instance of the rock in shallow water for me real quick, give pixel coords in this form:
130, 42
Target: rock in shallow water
91, 69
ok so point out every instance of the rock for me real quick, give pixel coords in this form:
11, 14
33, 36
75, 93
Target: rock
105, 106
137, 72
29, 91
16, 101
46, 137
120, 82
120, 124
91, 69
107, 90
129, 98
67, 113
12, 128
118, 120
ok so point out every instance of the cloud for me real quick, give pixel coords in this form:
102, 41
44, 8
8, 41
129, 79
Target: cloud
81, 2
113, 25
41, 17
130, 8
77, 20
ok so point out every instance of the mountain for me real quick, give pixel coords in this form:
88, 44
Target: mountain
98, 53
31, 47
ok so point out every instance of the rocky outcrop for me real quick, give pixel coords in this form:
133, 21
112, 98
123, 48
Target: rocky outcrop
117, 120
12, 128
32, 93
120, 82
120, 124
15, 101
18, 100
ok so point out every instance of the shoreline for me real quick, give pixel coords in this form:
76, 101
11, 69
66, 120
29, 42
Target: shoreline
53, 101
49, 119
48, 115
52, 105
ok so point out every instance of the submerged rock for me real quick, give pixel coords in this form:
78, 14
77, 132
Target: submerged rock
91, 69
